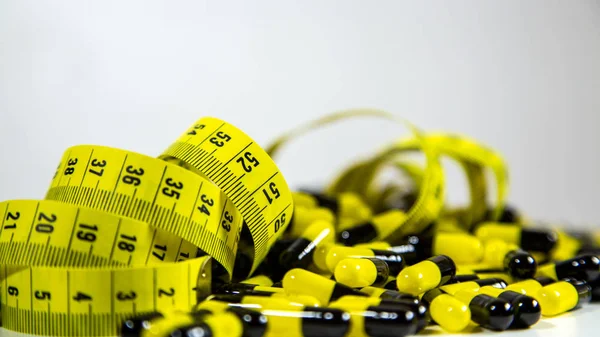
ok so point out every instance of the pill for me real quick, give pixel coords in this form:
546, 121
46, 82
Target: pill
474, 285
320, 257
253, 321
225, 324
566, 247
253, 301
487, 311
516, 262
529, 239
426, 275
245, 289
261, 280
460, 247
527, 309
306, 322
413, 304
448, 312
300, 252
133, 326
585, 267
562, 296
389, 294
304, 217
361, 272
300, 281
381, 245
463, 278
509, 214
379, 227
379, 321
394, 260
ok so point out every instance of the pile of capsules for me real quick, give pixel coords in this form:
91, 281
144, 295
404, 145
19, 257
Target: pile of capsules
327, 277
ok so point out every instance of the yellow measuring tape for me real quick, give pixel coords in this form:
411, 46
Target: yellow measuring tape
121, 233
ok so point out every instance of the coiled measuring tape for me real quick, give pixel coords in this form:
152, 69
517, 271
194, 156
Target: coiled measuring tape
121, 233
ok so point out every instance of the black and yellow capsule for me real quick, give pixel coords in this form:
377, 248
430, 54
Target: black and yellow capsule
287, 319
530, 287
463, 278
300, 253
378, 227
487, 311
460, 247
304, 217
567, 246
300, 281
426, 275
392, 295
474, 285
527, 309
361, 272
133, 326
585, 267
510, 258
258, 298
562, 296
394, 261
260, 280
223, 324
378, 296
343, 205
381, 245
246, 289
448, 312
378, 320
253, 321
529, 239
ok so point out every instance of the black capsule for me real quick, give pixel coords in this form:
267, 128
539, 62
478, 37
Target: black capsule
520, 264
362, 233
585, 267
386, 321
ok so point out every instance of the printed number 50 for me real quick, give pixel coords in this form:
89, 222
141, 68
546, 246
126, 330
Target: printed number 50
279, 222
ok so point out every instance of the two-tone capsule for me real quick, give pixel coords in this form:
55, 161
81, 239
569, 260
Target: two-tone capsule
426, 275
584, 267
335, 254
378, 227
304, 217
527, 309
361, 272
460, 247
300, 252
562, 296
300, 281
445, 310
510, 258
529, 239
489, 312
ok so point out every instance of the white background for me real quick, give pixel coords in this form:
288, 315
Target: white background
520, 76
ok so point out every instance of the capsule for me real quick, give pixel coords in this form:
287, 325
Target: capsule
463, 278
426, 275
562, 296
566, 247
585, 267
529, 239
336, 254
527, 309
473, 285
411, 303
390, 295
254, 322
304, 217
251, 301
460, 247
530, 287
378, 321
259, 280
487, 311
300, 281
320, 258
361, 272
133, 326
343, 205
380, 245
246, 289
448, 312
379, 227
225, 324
300, 253
516, 262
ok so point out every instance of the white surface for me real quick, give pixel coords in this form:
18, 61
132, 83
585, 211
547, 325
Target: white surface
582, 322
521, 76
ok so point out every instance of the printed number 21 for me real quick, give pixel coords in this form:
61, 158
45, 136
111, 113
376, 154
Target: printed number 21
273, 190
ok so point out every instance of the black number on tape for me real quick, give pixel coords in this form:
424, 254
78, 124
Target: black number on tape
183, 256
86, 234
12, 216
279, 222
127, 246
196, 127
158, 255
251, 160
42, 295
171, 192
222, 135
13, 291
45, 227
169, 293
205, 201
227, 221
70, 170
274, 191
100, 164
121, 296
131, 179
82, 297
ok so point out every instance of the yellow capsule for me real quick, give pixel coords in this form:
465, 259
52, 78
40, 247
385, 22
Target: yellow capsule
566, 247
304, 300
529, 239
300, 281
305, 200
304, 217
224, 324
562, 296
382, 245
426, 275
320, 256
494, 252
361, 272
448, 312
527, 287
260, 280
395, 261
353, 207
460, 247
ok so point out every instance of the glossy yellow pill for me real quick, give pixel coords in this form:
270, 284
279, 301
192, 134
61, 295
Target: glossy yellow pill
361, 272
557, 298
449, 313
